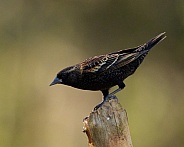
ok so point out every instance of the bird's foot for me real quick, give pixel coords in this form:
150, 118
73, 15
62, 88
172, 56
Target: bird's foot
98, 106
108, 97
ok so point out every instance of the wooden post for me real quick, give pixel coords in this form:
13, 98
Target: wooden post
108, 126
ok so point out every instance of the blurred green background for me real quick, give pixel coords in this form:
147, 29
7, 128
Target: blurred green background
39, 38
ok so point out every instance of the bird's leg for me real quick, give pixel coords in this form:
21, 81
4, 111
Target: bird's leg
114, 92
121, 86
105, 92
107, 96
105, 99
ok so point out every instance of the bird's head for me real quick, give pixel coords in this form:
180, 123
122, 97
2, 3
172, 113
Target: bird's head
66, 76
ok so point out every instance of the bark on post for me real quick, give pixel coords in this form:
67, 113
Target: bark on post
108, 126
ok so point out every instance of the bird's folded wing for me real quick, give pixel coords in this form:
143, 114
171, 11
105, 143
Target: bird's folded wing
107, 62
96, 64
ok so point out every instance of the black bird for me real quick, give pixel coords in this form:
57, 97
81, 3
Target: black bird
105, 71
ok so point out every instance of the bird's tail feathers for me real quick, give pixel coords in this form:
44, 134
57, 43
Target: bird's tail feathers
151, 43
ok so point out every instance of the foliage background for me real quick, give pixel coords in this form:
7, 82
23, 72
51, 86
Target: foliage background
38, 38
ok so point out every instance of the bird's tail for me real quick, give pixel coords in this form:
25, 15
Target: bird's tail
152, 42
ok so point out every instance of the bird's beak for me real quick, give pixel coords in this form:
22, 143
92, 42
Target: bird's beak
56, 81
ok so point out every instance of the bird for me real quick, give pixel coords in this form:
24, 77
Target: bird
100, 73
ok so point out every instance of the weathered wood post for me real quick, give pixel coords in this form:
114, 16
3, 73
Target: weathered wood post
108, 126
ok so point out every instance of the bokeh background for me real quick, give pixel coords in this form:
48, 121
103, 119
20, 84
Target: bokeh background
38, 38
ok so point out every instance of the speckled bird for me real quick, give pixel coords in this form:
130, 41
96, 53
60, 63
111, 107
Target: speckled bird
105, 71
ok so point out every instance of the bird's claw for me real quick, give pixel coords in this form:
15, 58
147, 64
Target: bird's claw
108, 97
98, 106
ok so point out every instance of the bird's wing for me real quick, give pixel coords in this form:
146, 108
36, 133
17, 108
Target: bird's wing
126, 58
107, 62
98, 63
